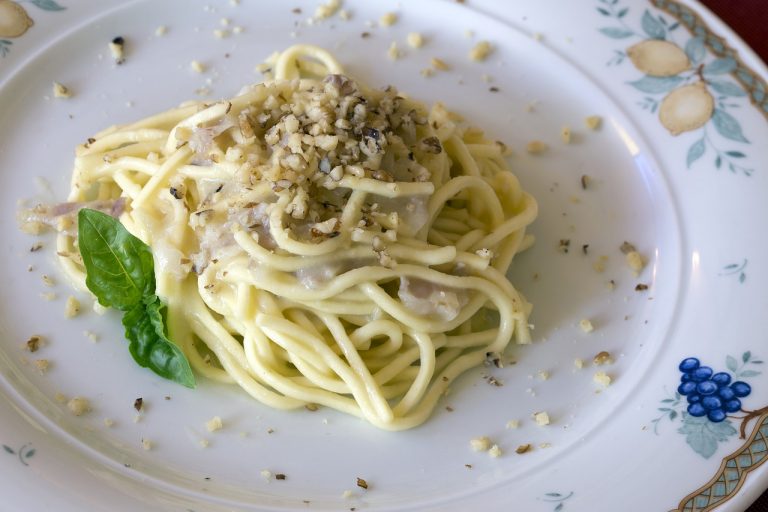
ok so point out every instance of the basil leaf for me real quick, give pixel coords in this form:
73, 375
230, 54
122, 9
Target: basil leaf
149, 345
119, 266
120, 272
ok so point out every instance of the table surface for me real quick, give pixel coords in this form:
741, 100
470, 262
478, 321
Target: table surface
749, 19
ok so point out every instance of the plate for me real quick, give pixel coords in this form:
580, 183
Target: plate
676, 169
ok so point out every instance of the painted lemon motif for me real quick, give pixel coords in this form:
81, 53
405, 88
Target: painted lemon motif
14, 20
686, 108
658, 58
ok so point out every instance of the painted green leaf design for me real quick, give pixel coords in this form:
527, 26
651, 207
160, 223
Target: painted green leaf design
616, 32
48, 5
30, 453
731, 364
8, 449
553, 494
695, 49
746, 356
728, 126
656, 84
696, 151
653, 27
749, 373
622, 12
703, 435
727, 88
735, 154
604, 12
720, 66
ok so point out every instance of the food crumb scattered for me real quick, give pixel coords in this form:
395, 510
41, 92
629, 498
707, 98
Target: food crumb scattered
578, 363
138, 404
109, 422
362, 483
33, 343
214, 424
60, 397
49, 296
204, 443
480, 444
541, 418
146, 444
495, 451
565, 134
117, 49
79, 406
641, 287
543, 374
388, 19
92, 336
266, 474
602, 378
61, 91
72, 307
415, 40
602, 358
593, 122
585, 181
481, 51
545, 445
512, 424
523, 448
161, 31
347, 494
220, 33
586, 325
536, 147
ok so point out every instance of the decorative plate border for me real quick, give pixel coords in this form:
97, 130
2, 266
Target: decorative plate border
684, 73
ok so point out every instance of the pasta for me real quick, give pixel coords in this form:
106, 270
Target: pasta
318, 242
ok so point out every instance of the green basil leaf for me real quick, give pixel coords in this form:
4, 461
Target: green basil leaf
119, 266
149, 345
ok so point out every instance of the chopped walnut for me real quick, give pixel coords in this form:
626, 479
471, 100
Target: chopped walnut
602, 358
72, 307
593, 122
481, 51
388, 19
480, 444
79, 406
541, 418
602, 378
523, 448
536, 147
61, 91
415, 40
214, 424
586, 325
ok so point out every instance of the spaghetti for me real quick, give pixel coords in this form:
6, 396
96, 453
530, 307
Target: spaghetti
317, 242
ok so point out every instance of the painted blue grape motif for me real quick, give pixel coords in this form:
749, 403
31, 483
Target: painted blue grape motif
707, 403
710, 394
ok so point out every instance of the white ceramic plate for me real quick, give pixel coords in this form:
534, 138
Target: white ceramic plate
693, 204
